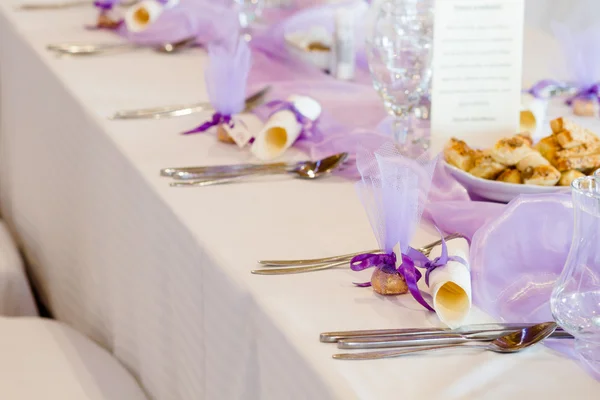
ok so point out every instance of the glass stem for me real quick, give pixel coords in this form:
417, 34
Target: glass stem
401, 126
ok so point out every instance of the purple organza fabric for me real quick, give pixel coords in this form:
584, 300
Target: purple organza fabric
393, 191
226, 77
206, 21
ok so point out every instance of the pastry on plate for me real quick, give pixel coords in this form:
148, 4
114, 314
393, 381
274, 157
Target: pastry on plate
543, 175
459, 154
486, 167
510, 175
569, 134
581, 163
569, 176
509, 151
533, 159
548, 147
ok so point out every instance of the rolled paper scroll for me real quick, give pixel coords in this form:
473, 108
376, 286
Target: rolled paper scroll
284, 127
533, 115
143, 14
450, 285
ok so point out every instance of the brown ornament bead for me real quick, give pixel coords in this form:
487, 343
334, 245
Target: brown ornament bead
391, 283
585, 108
223, 136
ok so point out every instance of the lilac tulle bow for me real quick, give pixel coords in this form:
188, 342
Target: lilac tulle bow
226, 77
105, 5
217, 119
544, 89
441, 261
387, 263
309, 127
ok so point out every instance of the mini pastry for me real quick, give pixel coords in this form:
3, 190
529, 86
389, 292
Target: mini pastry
583, 150
569, 134
568, 177
459, 154
543, 175
582, 163
487, 168
510, 175
509, 151
534, 159
527, 137
548, 147
562, 124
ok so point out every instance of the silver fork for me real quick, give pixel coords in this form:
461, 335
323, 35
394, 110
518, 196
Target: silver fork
284, 267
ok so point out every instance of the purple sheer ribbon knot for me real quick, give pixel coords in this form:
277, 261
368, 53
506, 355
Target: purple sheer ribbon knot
441, 261
217, 119
105, 5
387, 263
309, 127
544, 88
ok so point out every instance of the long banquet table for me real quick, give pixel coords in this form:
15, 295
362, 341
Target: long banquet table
160, 275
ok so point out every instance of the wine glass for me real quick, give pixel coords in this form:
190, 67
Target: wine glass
399, 51
575, 301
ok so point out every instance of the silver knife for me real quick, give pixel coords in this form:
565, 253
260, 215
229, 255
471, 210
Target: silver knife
185, 109
333, 337
223, 170
385, 342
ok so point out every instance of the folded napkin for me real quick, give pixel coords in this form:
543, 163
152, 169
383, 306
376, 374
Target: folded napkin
450, 286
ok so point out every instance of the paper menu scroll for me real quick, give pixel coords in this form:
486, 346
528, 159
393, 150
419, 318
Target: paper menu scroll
450, 286
477, 69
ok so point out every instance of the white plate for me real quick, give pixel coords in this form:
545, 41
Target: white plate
499, 191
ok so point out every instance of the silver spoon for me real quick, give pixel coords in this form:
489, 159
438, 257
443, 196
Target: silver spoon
91, 49
305, 170
511, 343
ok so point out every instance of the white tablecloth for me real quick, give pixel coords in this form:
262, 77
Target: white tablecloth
160, 276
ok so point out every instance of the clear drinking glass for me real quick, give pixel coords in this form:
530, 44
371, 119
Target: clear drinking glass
399, 50
575, 300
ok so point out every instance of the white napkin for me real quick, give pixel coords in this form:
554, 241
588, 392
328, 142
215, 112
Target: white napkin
450, 285
282, 129
143, 14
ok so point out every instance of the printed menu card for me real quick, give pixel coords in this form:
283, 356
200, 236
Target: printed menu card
477, 68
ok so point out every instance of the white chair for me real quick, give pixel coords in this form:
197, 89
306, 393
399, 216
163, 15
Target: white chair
43, 359
16, 298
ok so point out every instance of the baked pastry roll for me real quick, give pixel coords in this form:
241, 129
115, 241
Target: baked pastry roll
459, 154
548, 147
486, 167
581, 163
527, 137
543, 175
509, 151
510, 175
533, 159
568, 177
583, 150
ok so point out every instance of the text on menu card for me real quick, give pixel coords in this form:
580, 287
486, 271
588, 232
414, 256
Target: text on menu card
477, 69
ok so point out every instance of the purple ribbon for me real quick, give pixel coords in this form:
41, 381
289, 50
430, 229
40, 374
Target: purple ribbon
413, 258
387, 263
105, 5
542, 89
309, 129
217, 119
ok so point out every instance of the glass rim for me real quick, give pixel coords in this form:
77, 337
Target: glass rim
576, 185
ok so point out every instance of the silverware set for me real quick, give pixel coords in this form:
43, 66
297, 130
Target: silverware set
285, 267
87, 49
251, 103
500, 338
222, 174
